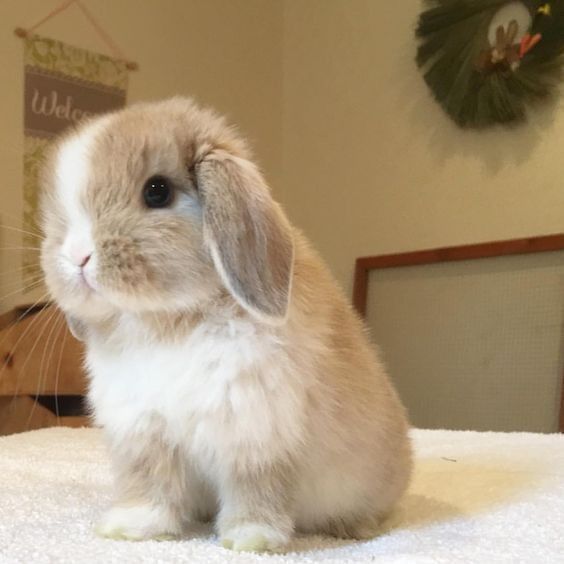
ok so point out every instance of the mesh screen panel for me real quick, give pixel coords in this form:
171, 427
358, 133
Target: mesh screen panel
475, 344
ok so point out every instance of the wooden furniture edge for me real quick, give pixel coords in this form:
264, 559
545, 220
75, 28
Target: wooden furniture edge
20, 312
6, 319
363, 265
21, 413
38, 357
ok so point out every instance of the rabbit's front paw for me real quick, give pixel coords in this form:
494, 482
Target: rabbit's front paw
136, 523
254, 537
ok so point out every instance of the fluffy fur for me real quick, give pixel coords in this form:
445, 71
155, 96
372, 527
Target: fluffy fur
232, 378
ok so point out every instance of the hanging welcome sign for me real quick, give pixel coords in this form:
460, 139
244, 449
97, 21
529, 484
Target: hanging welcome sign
63, 85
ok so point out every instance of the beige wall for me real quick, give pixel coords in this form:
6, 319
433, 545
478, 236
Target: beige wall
372, 165
342, 123
227, 53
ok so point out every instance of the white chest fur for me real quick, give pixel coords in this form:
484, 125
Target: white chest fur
224, 391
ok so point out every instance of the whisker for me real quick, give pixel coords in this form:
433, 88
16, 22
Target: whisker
22, 273
24, 313
35, 286
28, 286
57, 337
20, 248
42, 374
22, 316
22, 336
35, 343
39, 377
14, 301
36, 264
25, 231
20, 284
32, 278
59, 363
13, 271
51, 355
13, 216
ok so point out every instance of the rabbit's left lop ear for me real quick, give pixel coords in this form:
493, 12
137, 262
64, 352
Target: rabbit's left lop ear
248, 235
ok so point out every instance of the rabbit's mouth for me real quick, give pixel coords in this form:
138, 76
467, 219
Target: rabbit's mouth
86, 282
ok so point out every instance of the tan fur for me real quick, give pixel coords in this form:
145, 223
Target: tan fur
343, 458
160, 474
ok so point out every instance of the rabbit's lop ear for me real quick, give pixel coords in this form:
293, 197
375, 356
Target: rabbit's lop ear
249, 237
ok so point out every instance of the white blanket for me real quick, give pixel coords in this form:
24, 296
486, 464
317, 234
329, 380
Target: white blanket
475, 497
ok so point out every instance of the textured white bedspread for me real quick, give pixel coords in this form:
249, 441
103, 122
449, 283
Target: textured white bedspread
475, 497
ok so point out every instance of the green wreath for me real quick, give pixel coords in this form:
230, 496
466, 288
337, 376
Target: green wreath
483, 73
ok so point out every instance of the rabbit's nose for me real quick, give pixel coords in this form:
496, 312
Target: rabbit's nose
78, 251
80, 258
85, 260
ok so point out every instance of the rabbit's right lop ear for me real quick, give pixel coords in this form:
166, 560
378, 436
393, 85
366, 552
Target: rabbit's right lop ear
248, 235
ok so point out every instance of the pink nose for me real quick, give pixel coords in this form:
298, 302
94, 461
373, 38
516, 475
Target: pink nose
84, 261
77, 250
80, 258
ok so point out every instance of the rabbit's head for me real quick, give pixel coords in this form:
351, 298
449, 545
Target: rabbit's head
157, 208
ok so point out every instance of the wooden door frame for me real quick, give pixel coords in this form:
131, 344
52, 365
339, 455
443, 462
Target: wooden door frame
364, 265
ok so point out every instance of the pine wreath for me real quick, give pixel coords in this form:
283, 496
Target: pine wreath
483, 73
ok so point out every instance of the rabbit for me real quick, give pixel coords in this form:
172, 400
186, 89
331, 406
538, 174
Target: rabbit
232, 378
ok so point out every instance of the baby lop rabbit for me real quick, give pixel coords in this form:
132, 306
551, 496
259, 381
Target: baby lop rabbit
232, 378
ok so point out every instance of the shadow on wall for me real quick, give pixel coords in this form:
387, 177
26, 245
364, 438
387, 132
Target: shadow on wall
495, 147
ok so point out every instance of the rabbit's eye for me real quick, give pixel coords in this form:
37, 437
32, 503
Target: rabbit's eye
157, 192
